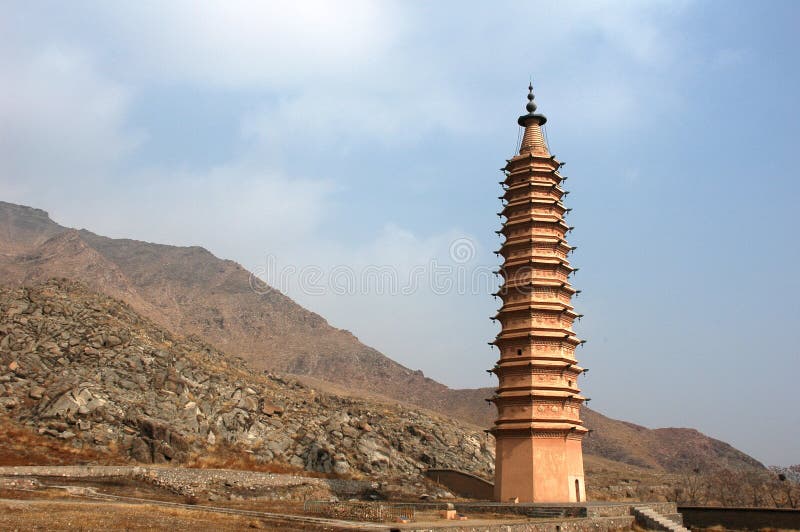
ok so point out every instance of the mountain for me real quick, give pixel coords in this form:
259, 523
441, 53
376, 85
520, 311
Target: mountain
189, 291
87, 369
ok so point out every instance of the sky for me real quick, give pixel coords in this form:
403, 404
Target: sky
349, 154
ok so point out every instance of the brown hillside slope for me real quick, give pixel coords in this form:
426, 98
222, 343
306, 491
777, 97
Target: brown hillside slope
190, 291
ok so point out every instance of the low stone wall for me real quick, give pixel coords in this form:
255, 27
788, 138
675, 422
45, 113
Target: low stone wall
599, 524
740, 518
567, 510
527, 510
462, 484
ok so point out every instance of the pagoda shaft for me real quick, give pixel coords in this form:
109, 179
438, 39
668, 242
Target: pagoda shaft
538, 429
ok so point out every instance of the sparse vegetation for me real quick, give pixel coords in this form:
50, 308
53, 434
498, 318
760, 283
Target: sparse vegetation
75, 515
726, 487
22, 446
226, 456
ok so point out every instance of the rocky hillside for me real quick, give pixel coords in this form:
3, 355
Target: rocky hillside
190, 291
88, 370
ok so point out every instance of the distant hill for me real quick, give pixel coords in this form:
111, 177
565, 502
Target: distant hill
189, 291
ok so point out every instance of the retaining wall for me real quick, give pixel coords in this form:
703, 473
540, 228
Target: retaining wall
463, 484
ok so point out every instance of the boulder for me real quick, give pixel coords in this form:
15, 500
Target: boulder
140, 451
36, 392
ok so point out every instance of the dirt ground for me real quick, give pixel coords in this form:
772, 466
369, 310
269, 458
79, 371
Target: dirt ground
25, 515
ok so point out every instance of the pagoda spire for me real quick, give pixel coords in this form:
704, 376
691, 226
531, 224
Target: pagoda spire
538, 430
533, 140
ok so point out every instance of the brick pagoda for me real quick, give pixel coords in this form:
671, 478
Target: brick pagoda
538, 428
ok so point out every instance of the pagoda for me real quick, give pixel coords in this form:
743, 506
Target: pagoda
538, 429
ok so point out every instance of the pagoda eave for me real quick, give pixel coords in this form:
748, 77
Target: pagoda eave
555, 359
543, 426
513, 365
530, 310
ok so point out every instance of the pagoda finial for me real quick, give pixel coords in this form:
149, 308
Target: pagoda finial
524, 120
531, 107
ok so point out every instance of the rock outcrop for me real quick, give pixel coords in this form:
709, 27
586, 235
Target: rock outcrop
88, 370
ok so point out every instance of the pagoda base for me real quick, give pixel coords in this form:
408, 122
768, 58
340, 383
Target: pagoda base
542, 468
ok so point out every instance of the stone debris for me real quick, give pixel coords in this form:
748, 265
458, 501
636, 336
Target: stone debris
88, 370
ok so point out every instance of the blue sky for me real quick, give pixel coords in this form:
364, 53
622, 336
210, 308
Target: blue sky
369, 134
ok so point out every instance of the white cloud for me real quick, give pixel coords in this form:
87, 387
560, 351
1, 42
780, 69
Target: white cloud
61, 117
338, 119
278, 44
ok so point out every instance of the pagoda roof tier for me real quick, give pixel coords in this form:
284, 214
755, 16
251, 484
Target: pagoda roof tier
511, 295
556, 306
512, 364
537, 392
528, 238
521, 198
527, 218
529, 426
514, 242
545, 306
540, 392
510, 300
548, 193
508, 271
529, 159
510, 367
548, 260
527, 205
528, 200
518, 201
513, 191
544, 239
554, 357
540, 422
541, 333
543, 283
533, 226
572, 341
539, 361
526, 242
530, 309
530, 245
555, 177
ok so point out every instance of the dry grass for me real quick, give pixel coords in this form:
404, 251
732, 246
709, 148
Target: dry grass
232, 457
72, 515
21, 446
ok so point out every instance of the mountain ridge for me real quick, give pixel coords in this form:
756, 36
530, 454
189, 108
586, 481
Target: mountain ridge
190, 291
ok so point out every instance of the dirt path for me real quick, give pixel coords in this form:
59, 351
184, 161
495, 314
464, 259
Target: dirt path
113, 512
